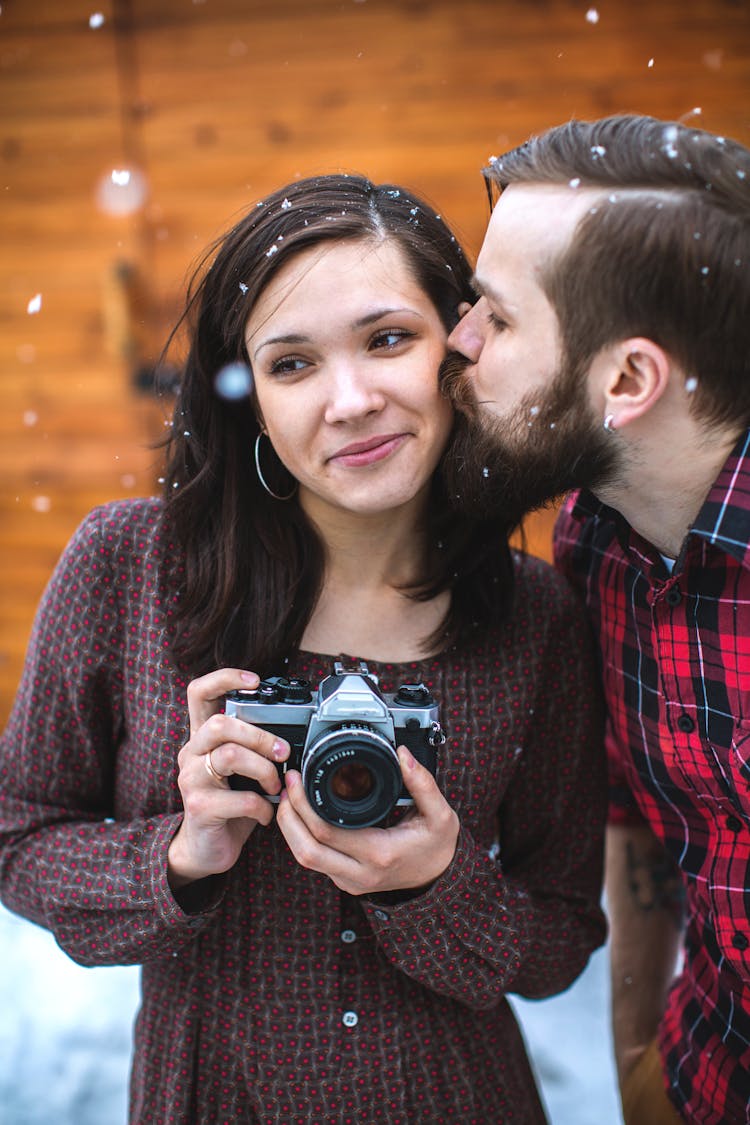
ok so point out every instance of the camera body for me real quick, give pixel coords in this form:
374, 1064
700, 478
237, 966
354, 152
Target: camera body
343, 738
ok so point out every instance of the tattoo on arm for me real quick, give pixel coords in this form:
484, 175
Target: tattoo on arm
655, 883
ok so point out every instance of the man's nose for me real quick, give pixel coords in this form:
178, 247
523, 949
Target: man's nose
467, 337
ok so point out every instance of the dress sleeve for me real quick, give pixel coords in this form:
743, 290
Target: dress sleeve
526, 919
97, 882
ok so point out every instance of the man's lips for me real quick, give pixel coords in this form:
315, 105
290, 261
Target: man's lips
368, 452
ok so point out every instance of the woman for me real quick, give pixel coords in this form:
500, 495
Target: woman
297, 970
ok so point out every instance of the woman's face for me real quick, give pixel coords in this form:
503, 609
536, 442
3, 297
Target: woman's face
345, 348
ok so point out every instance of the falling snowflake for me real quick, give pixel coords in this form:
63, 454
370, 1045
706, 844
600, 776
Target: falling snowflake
669, 136
234, 382
34, 304
592, 16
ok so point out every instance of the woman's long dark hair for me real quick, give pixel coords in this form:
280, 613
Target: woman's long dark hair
249, 568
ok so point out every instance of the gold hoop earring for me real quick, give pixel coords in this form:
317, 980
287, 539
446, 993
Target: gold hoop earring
262, 479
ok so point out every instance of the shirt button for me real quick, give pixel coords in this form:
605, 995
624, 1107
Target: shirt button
740, 941
348, 936
685, 724
382, 915
673, 595
350, 1019
734, 824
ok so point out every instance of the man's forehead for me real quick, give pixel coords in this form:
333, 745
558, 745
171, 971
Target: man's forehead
540, 215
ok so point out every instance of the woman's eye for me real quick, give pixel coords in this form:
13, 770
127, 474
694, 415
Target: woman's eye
390, 338
288, 365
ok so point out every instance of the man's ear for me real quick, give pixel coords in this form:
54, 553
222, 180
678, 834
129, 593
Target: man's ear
634, 376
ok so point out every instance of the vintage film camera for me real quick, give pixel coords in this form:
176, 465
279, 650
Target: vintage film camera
343, 739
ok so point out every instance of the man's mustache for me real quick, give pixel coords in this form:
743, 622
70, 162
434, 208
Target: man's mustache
454, 383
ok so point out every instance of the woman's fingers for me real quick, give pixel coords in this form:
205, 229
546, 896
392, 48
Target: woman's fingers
410, 854
214, 807
205, 695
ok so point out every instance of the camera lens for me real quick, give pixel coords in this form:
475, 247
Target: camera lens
351, 775
352, 782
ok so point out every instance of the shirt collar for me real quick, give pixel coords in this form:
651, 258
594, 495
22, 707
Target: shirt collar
724, 518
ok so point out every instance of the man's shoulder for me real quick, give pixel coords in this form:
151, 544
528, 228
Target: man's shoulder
584, 526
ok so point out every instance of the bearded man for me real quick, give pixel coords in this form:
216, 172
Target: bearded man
608, 357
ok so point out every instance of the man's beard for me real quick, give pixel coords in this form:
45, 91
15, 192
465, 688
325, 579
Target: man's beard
505, 467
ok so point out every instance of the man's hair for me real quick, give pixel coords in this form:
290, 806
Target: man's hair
663, 253
249, 569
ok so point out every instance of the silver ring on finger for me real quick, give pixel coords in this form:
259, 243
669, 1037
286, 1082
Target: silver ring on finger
211, 769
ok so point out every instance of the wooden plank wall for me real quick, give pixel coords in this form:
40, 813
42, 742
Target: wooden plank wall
215, 102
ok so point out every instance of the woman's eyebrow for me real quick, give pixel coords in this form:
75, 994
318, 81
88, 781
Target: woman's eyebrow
378, 314
360, 322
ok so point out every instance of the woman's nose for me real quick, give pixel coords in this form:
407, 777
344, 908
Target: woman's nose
353, 394
467, 337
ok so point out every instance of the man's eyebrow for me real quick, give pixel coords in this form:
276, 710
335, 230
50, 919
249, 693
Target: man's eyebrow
483, 289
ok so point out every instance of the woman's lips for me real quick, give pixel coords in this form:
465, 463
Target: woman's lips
368, 452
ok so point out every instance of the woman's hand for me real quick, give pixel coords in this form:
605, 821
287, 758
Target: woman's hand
218, 820
412, 853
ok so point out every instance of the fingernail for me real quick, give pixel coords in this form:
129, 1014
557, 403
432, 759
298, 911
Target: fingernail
407, 758
249, 677
291, 780
279, 750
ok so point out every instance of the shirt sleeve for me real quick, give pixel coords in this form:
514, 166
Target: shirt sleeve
572, 559
527, 919
66, 862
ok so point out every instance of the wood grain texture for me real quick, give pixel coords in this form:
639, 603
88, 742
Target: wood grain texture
217, 102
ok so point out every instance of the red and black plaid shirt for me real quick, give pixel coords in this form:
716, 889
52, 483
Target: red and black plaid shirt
676, 666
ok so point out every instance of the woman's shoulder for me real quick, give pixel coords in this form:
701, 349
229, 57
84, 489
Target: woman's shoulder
137, 517
119, 526
537, 579
545, 614
545, 606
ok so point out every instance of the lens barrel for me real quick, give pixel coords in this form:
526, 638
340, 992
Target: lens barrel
351, 775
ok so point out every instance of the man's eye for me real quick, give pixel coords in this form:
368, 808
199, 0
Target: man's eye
390, 338
497, 322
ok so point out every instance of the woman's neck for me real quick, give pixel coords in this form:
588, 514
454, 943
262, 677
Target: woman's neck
370, 550
363, 609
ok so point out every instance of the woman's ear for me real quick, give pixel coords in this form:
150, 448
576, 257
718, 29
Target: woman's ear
635, 376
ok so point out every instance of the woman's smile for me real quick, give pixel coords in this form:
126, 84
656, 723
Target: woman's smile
370, 451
